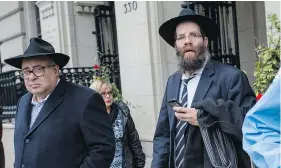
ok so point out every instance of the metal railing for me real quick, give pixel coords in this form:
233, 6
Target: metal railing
107, 40
225, 48
11, 89
81, 75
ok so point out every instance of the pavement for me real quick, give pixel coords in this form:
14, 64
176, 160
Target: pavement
8, 142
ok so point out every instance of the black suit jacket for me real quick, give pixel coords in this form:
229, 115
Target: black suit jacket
218, 81
72, 130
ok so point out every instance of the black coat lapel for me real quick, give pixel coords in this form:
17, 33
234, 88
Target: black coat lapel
54, 100
177, 84
24, 110
174, 94
204, 83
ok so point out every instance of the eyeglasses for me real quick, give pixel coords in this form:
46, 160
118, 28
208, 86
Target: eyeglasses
104, 94
191, 36
37, 71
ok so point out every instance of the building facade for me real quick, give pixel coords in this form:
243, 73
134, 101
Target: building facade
128, 31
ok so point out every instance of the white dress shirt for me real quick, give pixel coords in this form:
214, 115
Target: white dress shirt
37, 106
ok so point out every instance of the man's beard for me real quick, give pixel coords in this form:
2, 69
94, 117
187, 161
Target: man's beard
192, 64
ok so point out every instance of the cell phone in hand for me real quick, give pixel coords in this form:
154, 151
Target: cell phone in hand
174, 103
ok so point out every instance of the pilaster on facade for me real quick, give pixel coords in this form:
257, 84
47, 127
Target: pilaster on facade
17, 13
13, 31
272, 7
14, 11
141, 59
49, 23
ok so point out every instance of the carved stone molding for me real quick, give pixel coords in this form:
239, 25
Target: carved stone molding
86, 7
46, 9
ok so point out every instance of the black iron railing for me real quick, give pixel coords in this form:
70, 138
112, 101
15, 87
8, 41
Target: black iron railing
225, 48
11, 89
82, 75
107, 40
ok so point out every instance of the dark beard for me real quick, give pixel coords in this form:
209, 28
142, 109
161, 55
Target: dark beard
191, 65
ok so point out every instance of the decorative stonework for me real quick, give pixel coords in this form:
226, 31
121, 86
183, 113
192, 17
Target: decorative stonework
86, 7
49, 21
49, 12
46, 9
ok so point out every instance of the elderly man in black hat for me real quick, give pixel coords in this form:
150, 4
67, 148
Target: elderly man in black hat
221, 91
58, 124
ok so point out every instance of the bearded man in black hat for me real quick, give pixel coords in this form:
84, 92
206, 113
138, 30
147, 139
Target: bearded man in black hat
221, 91
58, 124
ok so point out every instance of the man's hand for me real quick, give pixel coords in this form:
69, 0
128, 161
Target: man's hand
187, 114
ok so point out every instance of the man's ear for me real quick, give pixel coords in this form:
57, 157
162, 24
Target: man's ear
206, 41
57, 69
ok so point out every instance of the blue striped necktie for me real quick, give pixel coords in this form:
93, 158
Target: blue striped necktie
180, 128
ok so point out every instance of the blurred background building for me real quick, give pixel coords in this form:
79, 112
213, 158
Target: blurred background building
125, 34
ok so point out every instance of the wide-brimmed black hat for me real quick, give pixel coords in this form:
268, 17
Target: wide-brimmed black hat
36, 48
168, 28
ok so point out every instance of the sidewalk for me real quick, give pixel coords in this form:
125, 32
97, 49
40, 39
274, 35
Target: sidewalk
8, 126
8, 142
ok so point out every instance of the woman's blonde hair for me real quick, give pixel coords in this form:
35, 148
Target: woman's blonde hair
97, 84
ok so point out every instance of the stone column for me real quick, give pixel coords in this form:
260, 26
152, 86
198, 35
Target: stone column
12, 34
143, 64
30, 20
135, 57
272, 7
146, 60
246, 37
49, 19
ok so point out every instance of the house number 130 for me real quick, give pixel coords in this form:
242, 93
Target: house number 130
130, 6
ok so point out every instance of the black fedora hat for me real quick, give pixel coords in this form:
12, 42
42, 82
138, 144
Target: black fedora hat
168, 28
36, 48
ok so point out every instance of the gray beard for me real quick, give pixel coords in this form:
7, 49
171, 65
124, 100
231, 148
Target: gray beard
191, 65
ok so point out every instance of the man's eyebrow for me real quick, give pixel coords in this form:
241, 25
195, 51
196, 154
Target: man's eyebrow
33, 67
193, 32
180, 34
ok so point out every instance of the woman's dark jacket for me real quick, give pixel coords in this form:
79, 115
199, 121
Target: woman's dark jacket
133, 156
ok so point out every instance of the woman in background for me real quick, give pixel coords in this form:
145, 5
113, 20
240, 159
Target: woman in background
128, 151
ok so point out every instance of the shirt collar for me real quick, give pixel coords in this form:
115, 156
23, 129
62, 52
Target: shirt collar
33, 102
